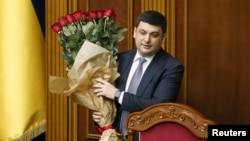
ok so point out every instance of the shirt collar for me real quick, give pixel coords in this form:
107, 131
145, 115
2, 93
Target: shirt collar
148, 58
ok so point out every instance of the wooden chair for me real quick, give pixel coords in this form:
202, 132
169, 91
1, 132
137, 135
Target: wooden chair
168, 122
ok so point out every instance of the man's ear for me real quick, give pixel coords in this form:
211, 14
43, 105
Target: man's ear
134, 34
164, 37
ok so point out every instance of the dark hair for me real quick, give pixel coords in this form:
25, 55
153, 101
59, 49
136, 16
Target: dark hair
154, 18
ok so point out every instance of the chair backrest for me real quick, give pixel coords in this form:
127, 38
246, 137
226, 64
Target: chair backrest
168, 121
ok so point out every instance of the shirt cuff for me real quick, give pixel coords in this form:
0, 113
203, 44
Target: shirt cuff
121, 97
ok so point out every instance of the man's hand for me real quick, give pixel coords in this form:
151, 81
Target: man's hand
104, 88
97, 116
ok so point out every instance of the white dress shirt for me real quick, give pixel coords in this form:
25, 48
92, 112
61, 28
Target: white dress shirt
132, 70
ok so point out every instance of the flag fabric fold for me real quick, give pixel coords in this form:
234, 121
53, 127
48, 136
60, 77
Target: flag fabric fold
22, 73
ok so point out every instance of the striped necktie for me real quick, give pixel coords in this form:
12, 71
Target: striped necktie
134, 83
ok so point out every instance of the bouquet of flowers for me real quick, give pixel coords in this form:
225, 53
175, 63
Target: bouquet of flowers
98, 27
90, 45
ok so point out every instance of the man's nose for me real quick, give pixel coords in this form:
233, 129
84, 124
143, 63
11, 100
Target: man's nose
147, 38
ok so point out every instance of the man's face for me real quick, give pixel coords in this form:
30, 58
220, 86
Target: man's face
148, 38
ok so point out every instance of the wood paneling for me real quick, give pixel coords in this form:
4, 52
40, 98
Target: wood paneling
218, 66
181, 44
61, 111
57, 114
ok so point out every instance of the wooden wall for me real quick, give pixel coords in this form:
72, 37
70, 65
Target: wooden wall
209, 37
61, 111
218, 67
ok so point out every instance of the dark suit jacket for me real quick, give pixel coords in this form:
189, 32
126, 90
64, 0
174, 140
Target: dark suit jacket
160, 82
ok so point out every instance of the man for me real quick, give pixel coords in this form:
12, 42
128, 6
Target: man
162, 74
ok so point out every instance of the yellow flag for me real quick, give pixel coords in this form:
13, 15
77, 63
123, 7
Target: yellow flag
22, 72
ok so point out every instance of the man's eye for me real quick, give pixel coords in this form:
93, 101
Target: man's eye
143, 33
155, 35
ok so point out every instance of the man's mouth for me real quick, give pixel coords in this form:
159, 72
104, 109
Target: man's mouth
146, 46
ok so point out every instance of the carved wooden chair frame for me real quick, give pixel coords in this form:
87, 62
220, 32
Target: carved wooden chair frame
179, 113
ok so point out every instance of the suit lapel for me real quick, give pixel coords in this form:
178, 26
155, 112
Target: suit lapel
125, 67
152, 69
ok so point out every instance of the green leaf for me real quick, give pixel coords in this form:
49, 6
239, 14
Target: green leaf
72, 28
66, 31
87, 28
121, 30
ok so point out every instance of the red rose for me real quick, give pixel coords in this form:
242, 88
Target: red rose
63, 21
110, 13
84, 16
56, 27
91, 14
70, 18
77, 15
100, 13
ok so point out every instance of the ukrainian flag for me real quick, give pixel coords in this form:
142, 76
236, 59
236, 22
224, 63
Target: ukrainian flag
22, 71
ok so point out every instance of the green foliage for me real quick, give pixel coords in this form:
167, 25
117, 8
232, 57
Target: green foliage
103, 31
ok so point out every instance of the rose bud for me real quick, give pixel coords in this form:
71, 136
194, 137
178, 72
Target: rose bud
70, 18
56, 27
77, 15
91, 14
84, 16
109, 13
63, 21
100, 13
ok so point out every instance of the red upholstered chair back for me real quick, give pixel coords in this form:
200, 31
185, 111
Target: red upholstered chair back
168, 122
168, 132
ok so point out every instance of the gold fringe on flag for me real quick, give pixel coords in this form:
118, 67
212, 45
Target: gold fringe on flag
33, 133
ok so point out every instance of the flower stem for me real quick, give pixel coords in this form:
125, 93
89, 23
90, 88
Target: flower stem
105, 22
